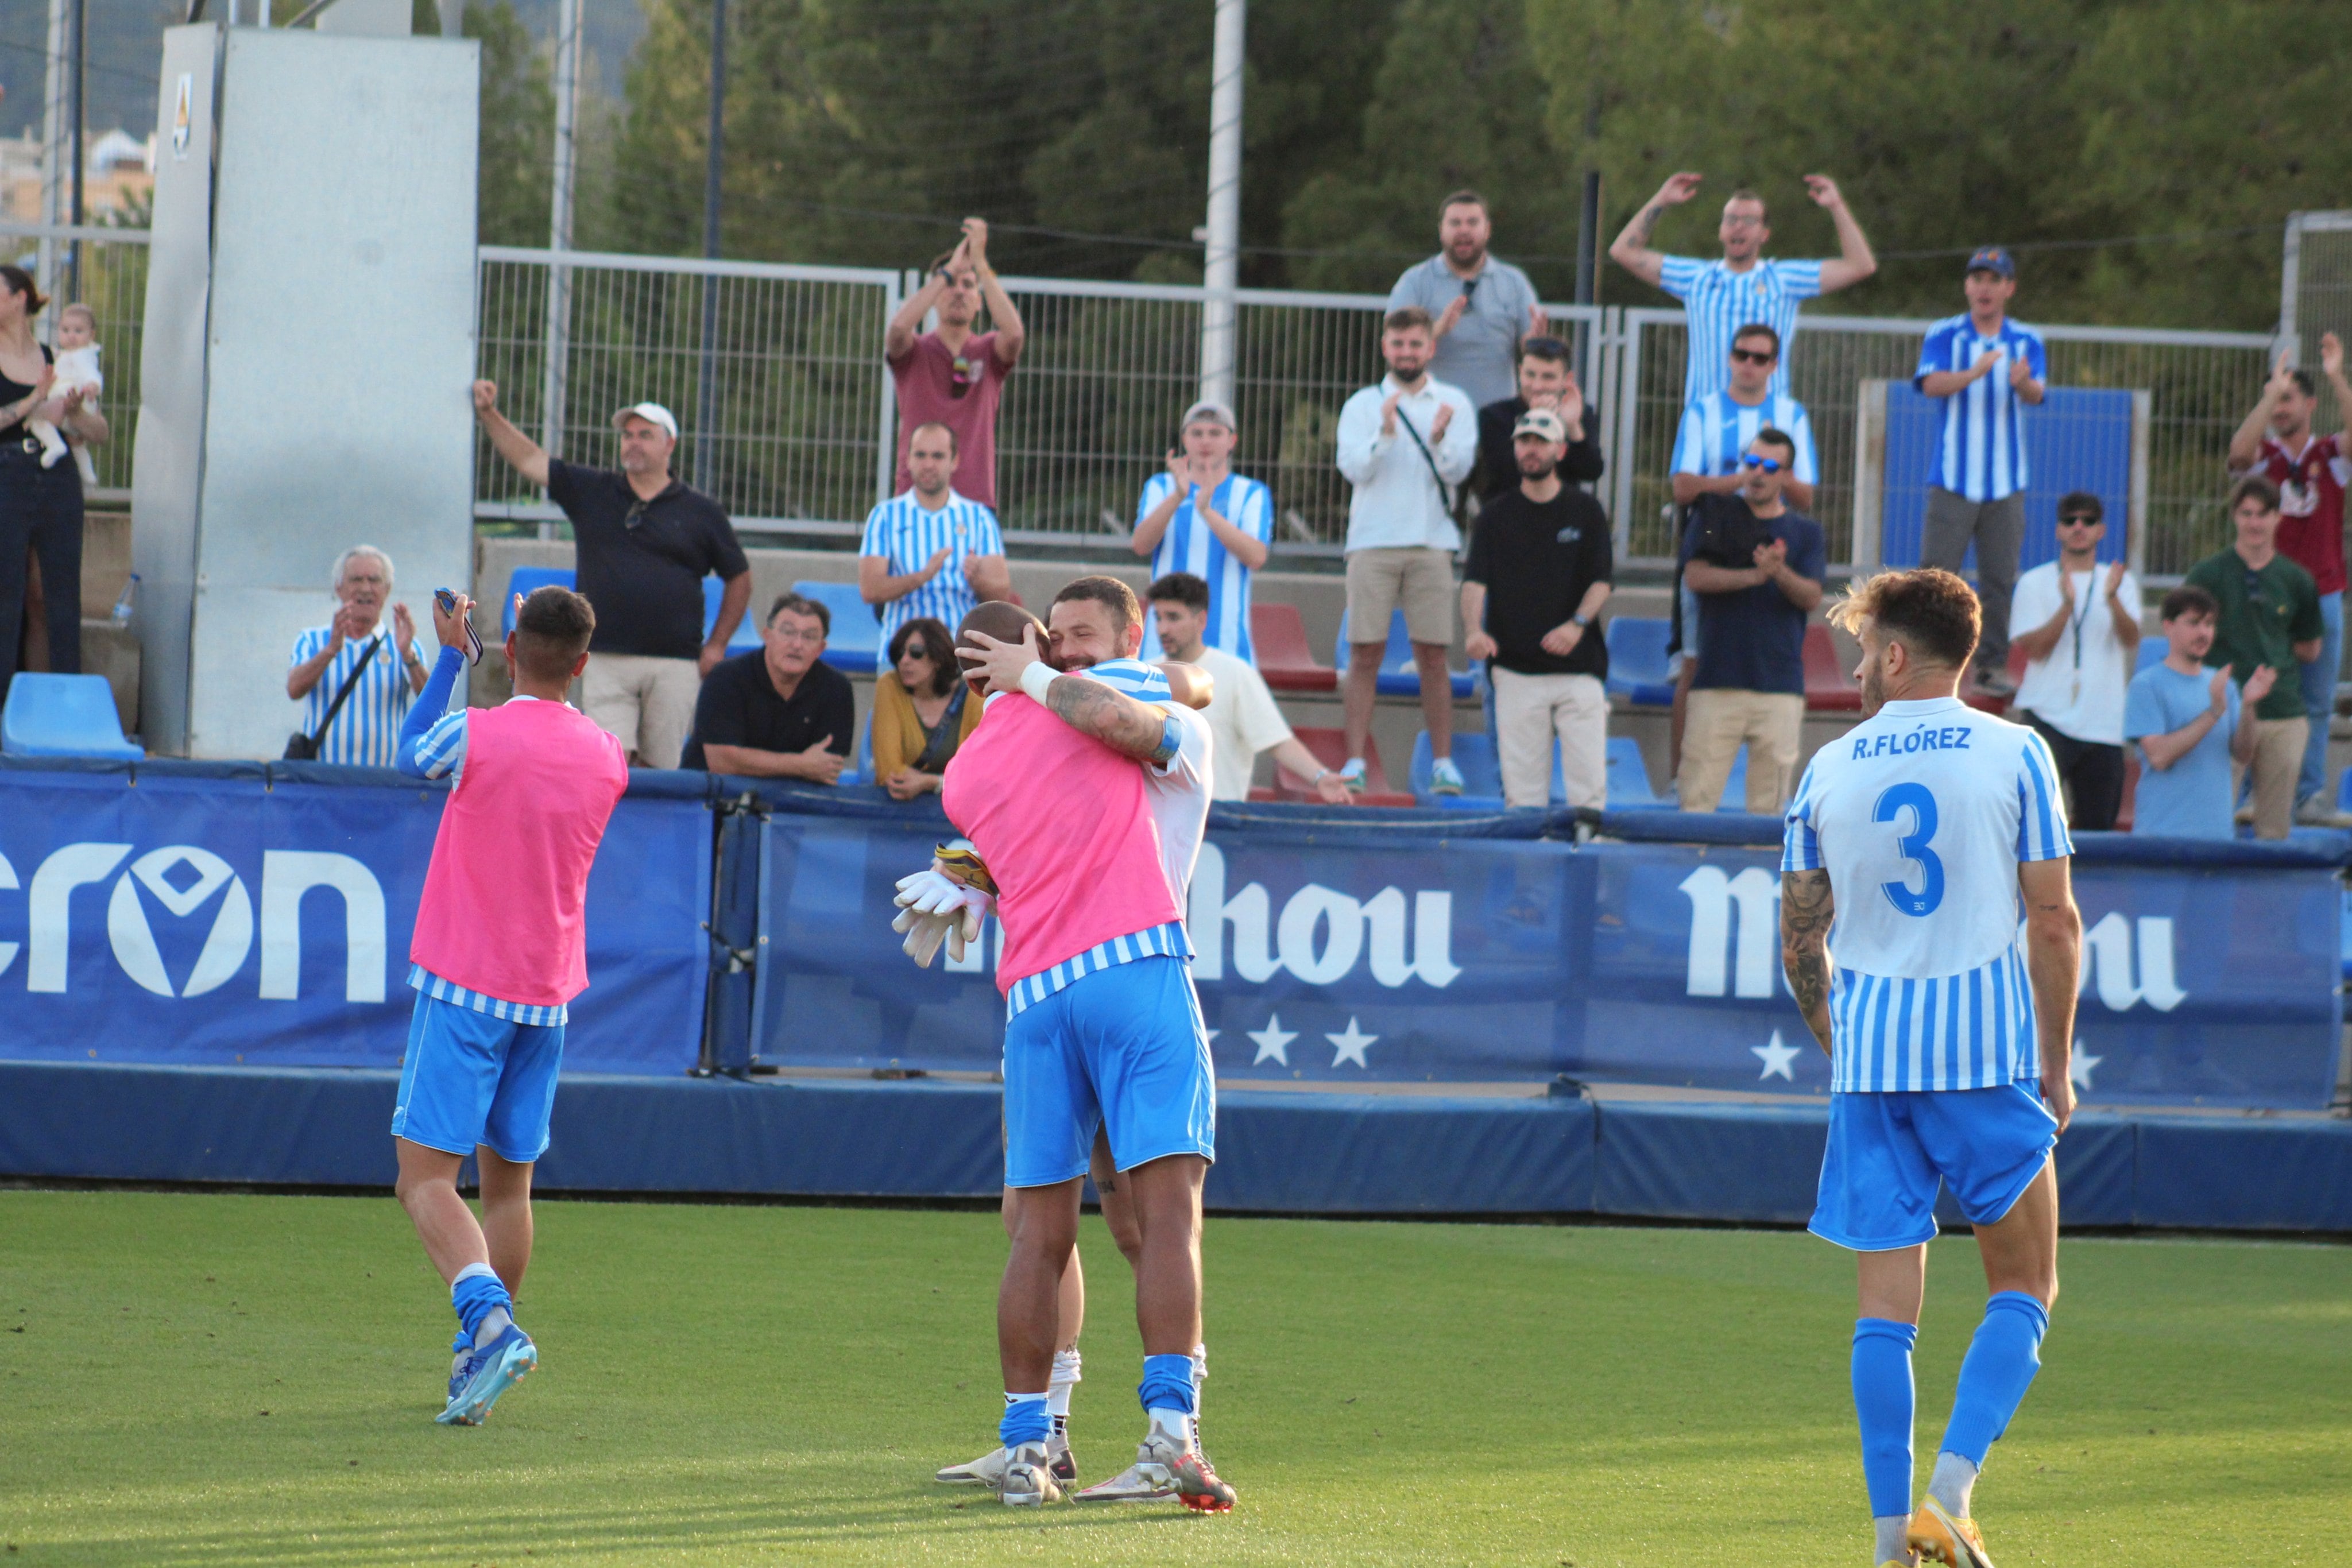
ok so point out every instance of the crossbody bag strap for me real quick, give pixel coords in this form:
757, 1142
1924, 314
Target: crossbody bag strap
344, 692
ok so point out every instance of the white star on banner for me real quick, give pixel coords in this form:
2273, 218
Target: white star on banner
1273, 1040
1776, 1058
1349, 1045
2082, 1067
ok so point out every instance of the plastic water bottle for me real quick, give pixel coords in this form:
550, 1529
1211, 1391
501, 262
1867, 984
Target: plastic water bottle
123, 606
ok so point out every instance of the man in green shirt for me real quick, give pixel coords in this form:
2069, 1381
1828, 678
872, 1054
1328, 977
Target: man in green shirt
2270, 615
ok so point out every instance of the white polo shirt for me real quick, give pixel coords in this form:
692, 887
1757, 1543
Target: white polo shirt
2078, 690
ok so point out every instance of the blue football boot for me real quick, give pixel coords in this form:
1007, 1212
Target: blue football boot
491, 1370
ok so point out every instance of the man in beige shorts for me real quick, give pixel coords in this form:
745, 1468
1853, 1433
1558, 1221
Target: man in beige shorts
1404, 444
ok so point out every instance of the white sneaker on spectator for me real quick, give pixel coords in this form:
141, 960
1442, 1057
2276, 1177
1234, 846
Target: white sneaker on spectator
2316, 812
1445, 779
1352, 775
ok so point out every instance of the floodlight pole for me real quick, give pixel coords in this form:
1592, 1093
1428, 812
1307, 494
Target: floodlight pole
556, 339
707, 413
53, 140
80, 127
1221, 262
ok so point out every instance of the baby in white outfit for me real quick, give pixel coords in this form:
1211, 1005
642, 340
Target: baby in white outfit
77, 366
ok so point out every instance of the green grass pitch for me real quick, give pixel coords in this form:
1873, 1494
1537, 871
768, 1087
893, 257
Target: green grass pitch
191, 1378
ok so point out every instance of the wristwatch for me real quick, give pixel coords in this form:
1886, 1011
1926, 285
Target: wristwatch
1582, 620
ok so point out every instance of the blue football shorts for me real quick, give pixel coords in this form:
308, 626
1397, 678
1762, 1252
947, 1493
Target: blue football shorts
1123, 1048
469, 1079
1887, 1153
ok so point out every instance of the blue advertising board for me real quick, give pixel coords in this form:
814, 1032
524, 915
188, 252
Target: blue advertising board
234, 914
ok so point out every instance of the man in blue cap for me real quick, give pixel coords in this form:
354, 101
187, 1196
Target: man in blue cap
1985, 368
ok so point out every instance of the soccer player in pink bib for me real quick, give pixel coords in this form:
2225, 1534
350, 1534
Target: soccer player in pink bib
499, 952
1103, 1027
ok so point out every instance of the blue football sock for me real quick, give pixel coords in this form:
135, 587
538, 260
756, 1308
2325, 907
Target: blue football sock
1883, 1401
1025, 1420
474, 1294
1998, 1368
1166, 1383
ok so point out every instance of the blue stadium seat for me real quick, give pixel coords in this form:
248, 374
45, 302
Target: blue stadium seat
63, 715
1629, 778
853, 646
862, 771
1399, 677
527, 581
1482, 774
2153, 649
747, 631
1638, 668
2344, 941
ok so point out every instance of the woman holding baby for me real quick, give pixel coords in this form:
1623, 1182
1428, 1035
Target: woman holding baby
42, 417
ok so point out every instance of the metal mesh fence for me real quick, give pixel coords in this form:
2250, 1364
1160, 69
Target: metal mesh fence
114, 283
795, 428
2318, 298
2200, 386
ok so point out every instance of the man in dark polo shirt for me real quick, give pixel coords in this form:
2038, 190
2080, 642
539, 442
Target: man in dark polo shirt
1756, 569
642, 543
1538, 575
779, 713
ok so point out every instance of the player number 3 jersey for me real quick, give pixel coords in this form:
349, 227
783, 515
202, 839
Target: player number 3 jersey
1921, 815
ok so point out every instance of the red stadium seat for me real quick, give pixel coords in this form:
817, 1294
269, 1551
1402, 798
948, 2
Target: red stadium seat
1278, 636
1330, 748
1830, 686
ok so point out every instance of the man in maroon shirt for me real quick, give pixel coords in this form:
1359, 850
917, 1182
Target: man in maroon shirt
954, 376
2311, 473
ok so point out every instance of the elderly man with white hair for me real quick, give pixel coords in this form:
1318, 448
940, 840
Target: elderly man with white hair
383, 674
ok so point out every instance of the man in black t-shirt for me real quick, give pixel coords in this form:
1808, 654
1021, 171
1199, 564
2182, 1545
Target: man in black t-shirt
642, 543
1539, 573
1547, 380
782, 712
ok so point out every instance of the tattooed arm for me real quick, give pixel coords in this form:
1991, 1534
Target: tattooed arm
1630, 249
1129, 727
1807, 908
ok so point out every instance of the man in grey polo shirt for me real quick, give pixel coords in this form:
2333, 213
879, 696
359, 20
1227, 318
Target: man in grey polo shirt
1482, 306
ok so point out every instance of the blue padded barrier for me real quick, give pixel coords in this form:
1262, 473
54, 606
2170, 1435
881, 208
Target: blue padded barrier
853, 641
1400, 676
1639, 668
1378, 1154
1673, 1159
63, 715
2244, 1173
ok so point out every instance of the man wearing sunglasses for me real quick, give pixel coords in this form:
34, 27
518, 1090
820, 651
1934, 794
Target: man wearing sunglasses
2078, 624
1757, 567
1985, 368
953, 376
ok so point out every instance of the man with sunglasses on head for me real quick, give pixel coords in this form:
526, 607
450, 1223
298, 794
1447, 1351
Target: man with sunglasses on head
1985, 368
643, 542
951, 375
1756, 569
2079, 626
1480, 307
1547, 382
1718, 296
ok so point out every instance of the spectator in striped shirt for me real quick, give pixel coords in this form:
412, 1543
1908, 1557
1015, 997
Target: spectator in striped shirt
1985, 368
366, 732
929, 550
1203, 519
1719, 297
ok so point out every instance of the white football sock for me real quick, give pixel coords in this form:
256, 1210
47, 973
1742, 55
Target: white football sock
1067, 1376
1200, 1375
1954, 1479
1893, 1540
494, 1324
1176, 1426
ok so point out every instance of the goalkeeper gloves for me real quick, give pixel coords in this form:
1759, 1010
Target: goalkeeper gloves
936, 908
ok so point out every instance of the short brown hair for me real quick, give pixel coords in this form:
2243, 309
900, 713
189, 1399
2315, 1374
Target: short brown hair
1771, 436
1757, 329
1464, 197
1109, 592
2253, 486
1745, 194
2188, 600
954, 445
1405, 318
799, 605
552, 631
1930, 610
1183, 587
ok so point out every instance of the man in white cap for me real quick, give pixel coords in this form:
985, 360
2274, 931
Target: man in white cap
1201, 518
644, 541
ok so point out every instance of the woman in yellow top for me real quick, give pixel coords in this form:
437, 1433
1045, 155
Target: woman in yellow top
921, 710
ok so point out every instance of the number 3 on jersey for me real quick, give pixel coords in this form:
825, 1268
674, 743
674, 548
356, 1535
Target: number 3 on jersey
1912, 846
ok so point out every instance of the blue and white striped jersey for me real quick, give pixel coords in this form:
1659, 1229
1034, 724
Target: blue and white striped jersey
907, 533
1921, 814
1717, 302
1716, 432
1981, 455
1189, 545
366, 732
